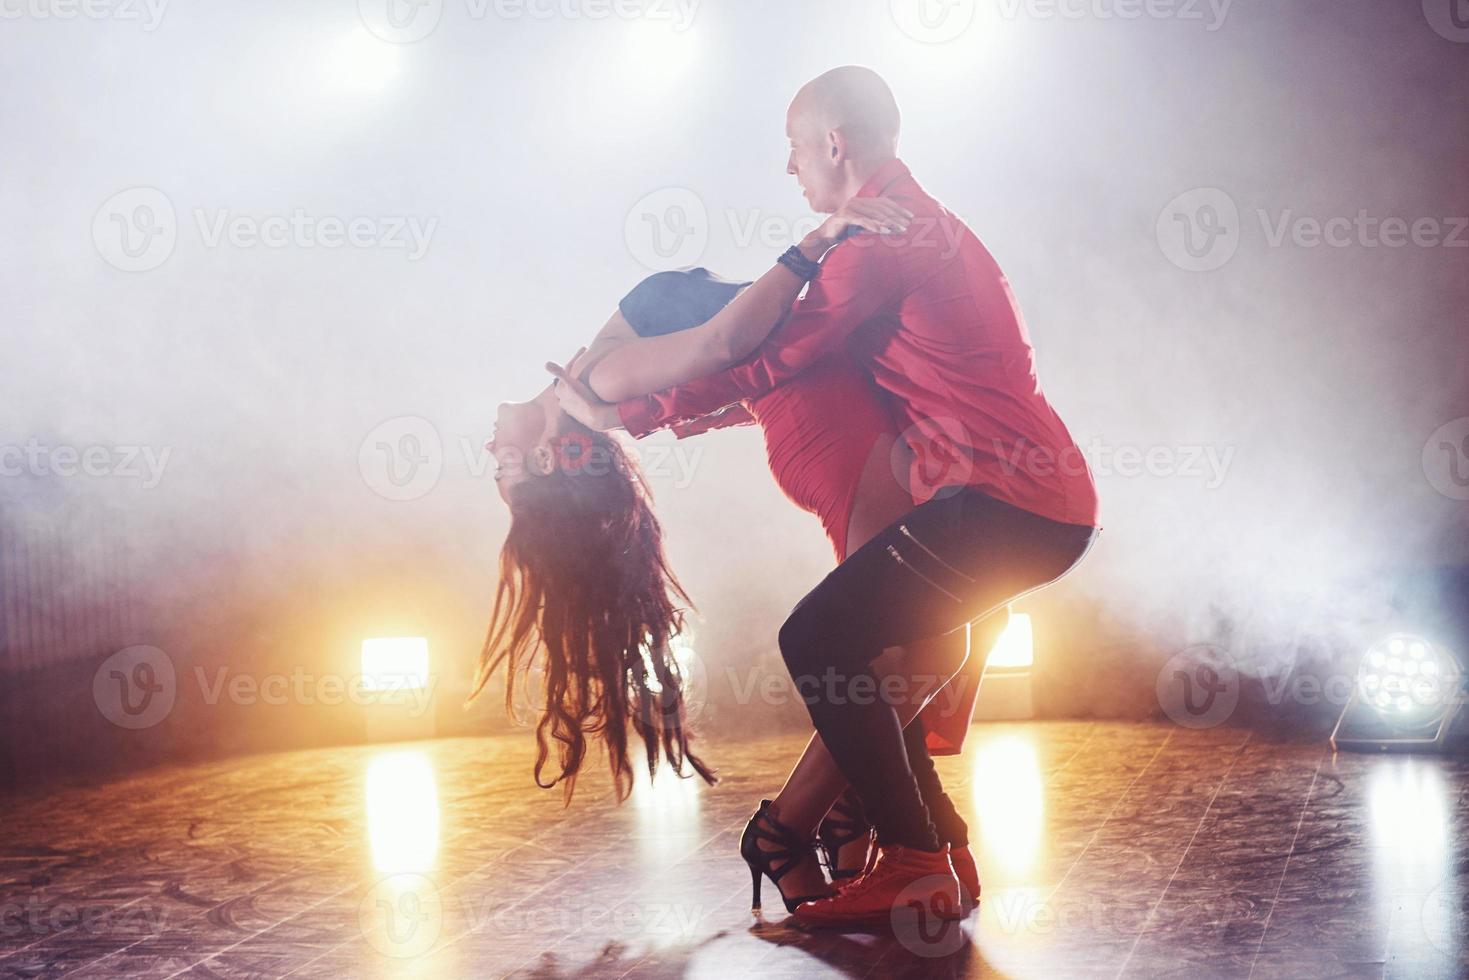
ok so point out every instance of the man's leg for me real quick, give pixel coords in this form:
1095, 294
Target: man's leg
948, 562
947, 824
815, 783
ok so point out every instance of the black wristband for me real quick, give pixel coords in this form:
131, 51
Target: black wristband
799, 264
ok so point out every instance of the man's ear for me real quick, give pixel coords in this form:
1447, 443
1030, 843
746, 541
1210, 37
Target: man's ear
836, 146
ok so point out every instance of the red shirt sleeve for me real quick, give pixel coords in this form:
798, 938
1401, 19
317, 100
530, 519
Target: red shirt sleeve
722, 419
858, 279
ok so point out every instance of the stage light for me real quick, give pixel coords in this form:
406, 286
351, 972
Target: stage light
1407, 693
357, 64
655, 53
1015, 649
1005, 684
395, 663
1405, 678
402, 812
684, 658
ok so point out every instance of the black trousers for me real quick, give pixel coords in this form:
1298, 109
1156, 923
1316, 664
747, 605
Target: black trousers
949, 561
947, 824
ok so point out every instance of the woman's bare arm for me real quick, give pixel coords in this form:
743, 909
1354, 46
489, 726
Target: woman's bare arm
648, 364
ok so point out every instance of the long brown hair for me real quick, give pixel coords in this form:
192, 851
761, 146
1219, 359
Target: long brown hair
584, 581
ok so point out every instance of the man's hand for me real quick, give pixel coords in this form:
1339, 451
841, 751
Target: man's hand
579, 401
880, 215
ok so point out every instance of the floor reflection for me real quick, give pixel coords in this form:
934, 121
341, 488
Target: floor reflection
402, 812
1009, 803
668, 813
1409, 812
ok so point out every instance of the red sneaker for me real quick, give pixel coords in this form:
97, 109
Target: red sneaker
967, 873
901, 880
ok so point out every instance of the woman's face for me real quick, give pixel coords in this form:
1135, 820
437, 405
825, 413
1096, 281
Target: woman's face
522, 440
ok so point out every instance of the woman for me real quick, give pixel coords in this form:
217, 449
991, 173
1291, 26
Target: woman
830, 442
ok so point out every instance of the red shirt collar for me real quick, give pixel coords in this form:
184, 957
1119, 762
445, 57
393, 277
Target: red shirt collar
887, 175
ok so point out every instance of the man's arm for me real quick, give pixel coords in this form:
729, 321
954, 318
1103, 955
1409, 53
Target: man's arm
858, 279
652, 364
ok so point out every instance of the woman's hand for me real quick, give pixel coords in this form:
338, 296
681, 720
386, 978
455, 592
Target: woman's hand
581, 402
880, 215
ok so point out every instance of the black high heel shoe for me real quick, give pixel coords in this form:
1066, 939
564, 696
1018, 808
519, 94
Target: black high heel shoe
774, 862
844, 824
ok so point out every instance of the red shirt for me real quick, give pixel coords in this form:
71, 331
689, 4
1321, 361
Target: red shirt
930, 314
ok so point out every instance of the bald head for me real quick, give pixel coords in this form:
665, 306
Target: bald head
857, 102
843, 128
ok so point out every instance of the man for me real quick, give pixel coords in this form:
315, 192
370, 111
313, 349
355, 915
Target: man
1007, 500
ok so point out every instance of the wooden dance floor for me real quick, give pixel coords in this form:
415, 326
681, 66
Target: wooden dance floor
1106, 850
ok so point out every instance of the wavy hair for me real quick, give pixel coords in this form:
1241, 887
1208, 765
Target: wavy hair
586, 590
